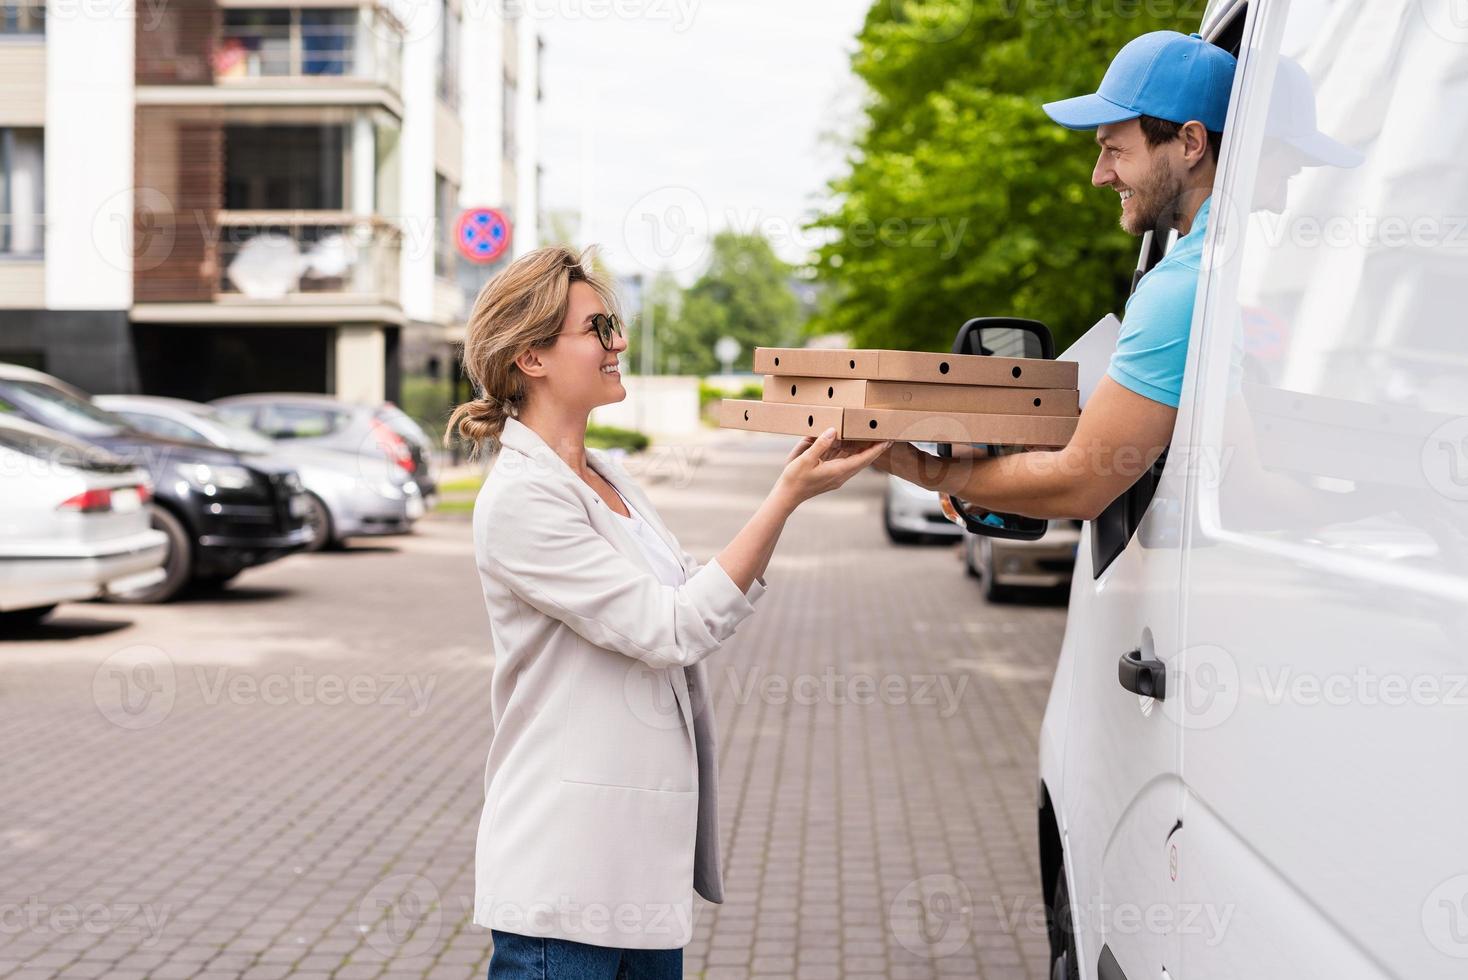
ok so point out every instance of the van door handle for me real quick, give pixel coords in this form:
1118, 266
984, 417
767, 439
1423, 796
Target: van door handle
1145, 677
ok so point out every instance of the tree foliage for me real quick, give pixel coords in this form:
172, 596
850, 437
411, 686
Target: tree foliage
961, 198
744, 293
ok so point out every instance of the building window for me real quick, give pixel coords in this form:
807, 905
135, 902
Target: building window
22, 17
282, 43
511, 92
22, 195
282, 168
448, 59
446, 194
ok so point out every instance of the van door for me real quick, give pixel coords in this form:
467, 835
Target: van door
1121, 778
1326, 576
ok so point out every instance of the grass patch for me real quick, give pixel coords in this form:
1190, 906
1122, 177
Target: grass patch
467, 485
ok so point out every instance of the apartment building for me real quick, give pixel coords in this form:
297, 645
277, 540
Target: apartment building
207, 197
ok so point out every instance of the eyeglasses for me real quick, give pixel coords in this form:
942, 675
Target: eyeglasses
605, 326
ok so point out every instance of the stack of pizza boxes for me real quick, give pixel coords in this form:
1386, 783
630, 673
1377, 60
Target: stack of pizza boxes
911, 396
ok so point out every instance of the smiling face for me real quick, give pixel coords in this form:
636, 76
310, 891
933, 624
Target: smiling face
575, 371
1149, 179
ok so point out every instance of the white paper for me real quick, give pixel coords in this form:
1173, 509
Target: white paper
1092, 353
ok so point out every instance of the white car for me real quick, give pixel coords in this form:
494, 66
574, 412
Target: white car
73, 524
1248, 767
911, 514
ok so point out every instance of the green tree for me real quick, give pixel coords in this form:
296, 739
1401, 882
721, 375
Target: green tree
662, 303
745, 294
961, 198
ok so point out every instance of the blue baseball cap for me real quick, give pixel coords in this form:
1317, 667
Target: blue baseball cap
1172, 76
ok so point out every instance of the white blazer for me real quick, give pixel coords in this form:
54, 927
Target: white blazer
601, 789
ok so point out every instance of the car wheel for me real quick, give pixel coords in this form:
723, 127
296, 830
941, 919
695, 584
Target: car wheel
26, 617
895, 534
318, 519
993, 591
1064, 961
178, 566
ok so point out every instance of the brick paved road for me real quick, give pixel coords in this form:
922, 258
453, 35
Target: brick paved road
284, 779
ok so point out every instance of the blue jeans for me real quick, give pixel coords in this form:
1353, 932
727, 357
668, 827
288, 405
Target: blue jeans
518, 957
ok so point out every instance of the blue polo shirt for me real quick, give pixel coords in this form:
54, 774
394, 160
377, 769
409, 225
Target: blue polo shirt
1152, 348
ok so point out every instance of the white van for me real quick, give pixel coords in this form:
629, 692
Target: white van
1291, 581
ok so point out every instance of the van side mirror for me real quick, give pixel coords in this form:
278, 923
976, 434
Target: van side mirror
999, 336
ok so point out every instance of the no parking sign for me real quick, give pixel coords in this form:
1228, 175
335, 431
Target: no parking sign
482, 235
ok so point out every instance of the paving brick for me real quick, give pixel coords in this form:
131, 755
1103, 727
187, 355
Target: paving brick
269, 830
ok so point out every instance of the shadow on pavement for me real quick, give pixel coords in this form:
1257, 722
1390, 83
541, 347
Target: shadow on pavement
59, 626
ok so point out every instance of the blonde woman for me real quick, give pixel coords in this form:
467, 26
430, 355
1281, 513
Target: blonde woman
600, 812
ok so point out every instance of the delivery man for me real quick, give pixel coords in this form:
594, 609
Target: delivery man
1158, 117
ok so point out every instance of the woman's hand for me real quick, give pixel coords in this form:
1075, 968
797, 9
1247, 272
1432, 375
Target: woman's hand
821, 463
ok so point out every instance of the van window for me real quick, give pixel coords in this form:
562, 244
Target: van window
1336, 391
1113, 528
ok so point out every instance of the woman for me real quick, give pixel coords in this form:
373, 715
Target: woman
600, 811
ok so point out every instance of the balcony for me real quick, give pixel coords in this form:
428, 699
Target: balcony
255, 55
305, 44
279, 256
294, 267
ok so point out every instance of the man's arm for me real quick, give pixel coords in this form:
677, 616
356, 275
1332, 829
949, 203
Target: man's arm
1120, 435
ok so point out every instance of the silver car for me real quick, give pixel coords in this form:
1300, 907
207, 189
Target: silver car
1009, 568
349, 497
382, 434
73, 524
911, 514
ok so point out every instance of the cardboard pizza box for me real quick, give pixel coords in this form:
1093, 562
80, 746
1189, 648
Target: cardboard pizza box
874, 424
920, 397
907, 365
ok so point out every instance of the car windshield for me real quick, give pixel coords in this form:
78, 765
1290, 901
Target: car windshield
241, 437
63, 452
60, 410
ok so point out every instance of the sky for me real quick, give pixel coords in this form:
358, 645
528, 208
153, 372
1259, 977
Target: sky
667, 120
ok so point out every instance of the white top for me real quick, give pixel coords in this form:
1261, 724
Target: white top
665, 564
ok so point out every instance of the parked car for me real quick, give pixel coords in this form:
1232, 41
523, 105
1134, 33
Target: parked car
911, 514
345, 501
74, 524
1009, 569
382, 435
221, 512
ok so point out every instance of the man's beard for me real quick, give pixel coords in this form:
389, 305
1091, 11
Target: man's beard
1156, 201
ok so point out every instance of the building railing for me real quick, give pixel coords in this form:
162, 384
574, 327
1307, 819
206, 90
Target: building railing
272, 256
23, 18
22, 236
362, 43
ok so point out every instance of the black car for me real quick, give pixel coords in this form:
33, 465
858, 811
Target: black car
222, 511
